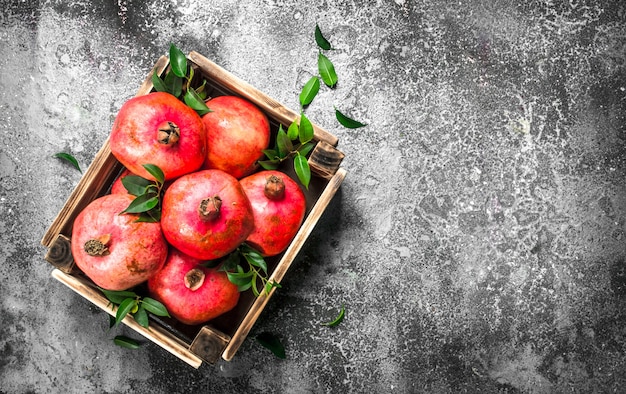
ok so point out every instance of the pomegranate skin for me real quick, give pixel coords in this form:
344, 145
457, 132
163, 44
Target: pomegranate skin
216, 296
237, 133
136, 250
135, 138
118, 186
200, 237
277, 219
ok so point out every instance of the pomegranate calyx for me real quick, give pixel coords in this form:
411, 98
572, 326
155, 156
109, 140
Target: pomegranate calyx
209, 208
98, 246
168, 133
274, 188
194, 278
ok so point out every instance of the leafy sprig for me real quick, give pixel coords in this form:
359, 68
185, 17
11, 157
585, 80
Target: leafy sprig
248, 277
148, 194
177, 81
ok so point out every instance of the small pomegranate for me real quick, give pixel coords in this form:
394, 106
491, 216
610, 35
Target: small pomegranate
158, 128
192, 294
206, 214
278, 206
237, 133
115, 250
118, 186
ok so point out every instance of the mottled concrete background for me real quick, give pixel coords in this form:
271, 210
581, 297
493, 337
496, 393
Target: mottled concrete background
478, 242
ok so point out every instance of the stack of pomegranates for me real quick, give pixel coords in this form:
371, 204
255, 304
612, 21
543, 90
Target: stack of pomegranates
215, 198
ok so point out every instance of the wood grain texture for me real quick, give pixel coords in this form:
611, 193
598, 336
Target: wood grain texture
209, 344
60, 254
325, 160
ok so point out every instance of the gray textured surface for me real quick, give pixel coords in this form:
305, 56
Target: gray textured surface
477, 242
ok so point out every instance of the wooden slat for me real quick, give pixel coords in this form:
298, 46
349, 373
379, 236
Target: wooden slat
266, 103
289, 256
153, 333
90, 186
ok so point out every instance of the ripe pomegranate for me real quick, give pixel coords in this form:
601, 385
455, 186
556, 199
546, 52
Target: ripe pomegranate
206, 214
237, 133
159, 129
118, 186
115, 250
192, 294
278, 206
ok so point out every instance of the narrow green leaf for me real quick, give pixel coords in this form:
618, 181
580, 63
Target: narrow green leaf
293, 131
69, 158
117, 296
135, 184
126, 342
195, 102
111, 321
244, 287
256, 259
348, 122
151, 216
327, 70
306, 129
155, 171
304, 149
158, 83
142, 203
269, 164
303, 171
155, 307
284, 144
141, 317
320, 40
178, 61
174, 84
338, 319
309, 91
271, 342
239, 279
231, 261
255, 289
125, 307
270, 153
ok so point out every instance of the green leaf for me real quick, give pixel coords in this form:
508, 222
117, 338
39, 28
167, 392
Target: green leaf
244, 287
142, 203
269, 164
293, 131
155, 307
348, 122
117, 296
306, 129
284, 144
126, 342
173, 84
195, 102
309, 91
320, 40
327, 70
158, 83
178, 61
304, 149
125, 307
155, 171
135, 184
303, 171
256, 259
338, 319
141, 316
271, 153
270, 285
240, 278
271, 342
69, 158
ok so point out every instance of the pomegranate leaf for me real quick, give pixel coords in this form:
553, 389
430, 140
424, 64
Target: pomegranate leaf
293, 130
303, 171
126, 342
271, 342
158, 83
193, 100
155, 307
141, 316
327, 70
338, 319
347, 121
69, 158
178, 61
143, 203
309, 91
306, 129
135, 184
254, 258
305, 148
124, 308
173, 84
155, 171
117, 296
270, 164
283, 143
320, 40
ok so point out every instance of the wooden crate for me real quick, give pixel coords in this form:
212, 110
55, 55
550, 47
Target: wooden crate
220, 337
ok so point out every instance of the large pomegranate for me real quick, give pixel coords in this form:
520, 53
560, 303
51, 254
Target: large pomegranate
206, 214
278, 206
192, 294
237, 133
115, 250
159, 129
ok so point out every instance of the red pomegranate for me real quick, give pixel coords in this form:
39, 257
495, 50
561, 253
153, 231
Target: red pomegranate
206, 214
278, 206
115, 250
159, 129
192, 294
118, 186
237, 133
